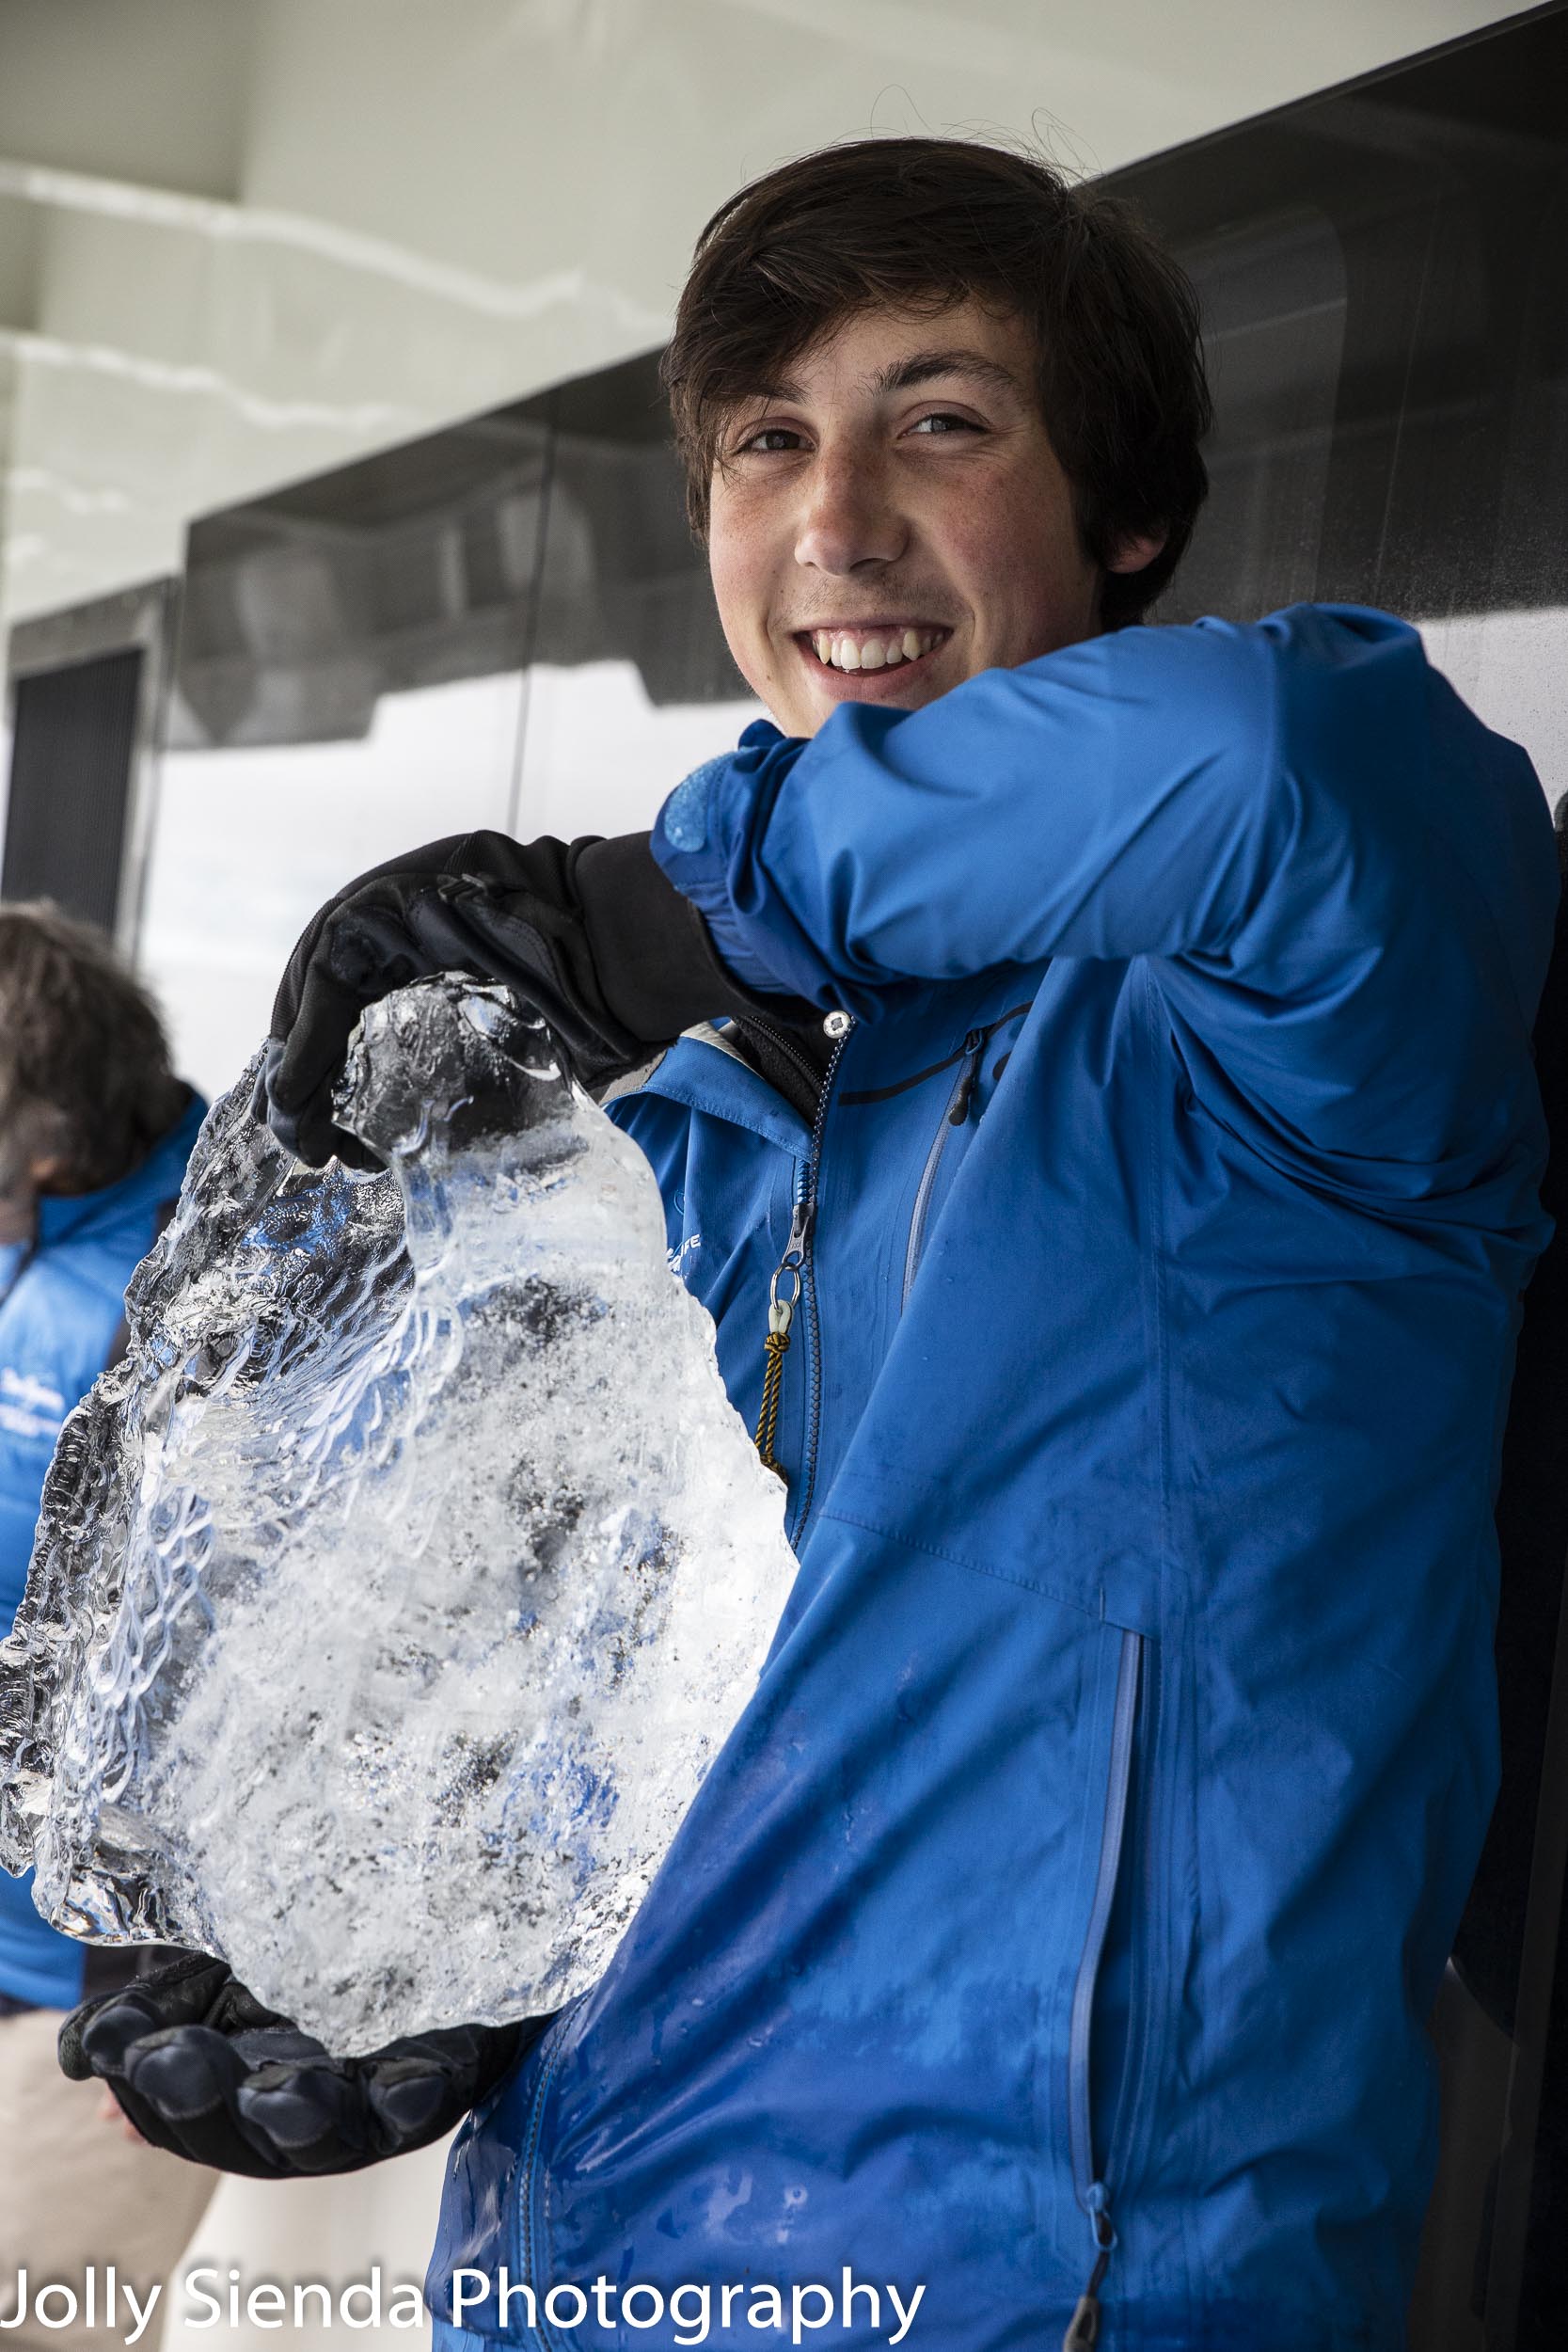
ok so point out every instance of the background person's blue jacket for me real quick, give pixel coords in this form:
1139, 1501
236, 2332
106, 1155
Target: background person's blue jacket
1111, 1791
61, 1303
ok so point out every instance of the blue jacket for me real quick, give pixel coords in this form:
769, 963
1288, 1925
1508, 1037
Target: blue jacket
1083, 1871
60, 1310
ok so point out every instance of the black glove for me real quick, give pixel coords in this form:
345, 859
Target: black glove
204, 2070
589, 933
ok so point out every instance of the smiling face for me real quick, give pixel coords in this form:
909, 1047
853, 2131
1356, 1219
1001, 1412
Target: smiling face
891, 518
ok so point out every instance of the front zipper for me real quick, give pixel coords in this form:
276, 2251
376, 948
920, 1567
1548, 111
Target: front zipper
1089, 2180
953, 1115
795, 1268
784, 1296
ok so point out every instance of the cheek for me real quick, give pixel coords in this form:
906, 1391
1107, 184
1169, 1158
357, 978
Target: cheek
1013, 550
742, 580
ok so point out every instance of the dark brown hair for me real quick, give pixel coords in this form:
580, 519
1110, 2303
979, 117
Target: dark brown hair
85, 1071
907, 222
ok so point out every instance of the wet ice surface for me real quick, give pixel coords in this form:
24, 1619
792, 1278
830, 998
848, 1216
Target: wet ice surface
394, 1595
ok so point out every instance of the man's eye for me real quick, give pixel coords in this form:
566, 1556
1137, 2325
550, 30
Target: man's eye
939, 422
768, 439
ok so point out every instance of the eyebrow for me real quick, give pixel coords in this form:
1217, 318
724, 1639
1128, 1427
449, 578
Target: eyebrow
920, 366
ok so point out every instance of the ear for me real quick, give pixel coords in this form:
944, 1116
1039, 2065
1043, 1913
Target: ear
1140, 548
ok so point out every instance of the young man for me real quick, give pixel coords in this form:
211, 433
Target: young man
95, 1130
1127, 1084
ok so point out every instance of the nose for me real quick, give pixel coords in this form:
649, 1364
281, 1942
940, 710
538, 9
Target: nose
850, 517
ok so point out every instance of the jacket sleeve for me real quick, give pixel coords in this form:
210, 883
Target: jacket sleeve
1340, 877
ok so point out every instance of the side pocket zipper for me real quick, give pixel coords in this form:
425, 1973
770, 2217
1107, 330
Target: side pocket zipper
1088, 2180
530, 2183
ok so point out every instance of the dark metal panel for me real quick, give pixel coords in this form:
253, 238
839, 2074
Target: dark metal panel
552, 531
73, 738
134, 627
1437, 195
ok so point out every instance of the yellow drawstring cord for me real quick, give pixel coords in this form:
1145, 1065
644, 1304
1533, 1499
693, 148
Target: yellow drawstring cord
777, 1345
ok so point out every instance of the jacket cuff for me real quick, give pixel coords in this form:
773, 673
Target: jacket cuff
708, 840
653, 953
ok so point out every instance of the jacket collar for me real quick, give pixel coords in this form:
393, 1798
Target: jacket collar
705, 1071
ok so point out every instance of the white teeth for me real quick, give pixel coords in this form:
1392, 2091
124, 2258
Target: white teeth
874, 653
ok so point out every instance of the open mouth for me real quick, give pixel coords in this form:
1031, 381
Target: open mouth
871, 649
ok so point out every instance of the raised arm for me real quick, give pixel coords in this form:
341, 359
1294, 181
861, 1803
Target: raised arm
1343, 882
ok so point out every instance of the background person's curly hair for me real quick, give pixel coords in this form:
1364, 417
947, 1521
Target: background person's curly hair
910, 222
84, 1074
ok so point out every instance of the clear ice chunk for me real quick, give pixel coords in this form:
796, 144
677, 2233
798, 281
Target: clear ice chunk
393, 1593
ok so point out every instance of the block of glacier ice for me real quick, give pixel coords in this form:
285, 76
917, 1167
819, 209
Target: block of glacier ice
393, 1595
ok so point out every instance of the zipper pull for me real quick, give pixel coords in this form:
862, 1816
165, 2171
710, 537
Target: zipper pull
799, 1237
782, 1303
1084, 2327
975, 1045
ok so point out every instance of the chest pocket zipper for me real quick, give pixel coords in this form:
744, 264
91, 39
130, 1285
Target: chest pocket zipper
969, 1056
954, 1116
1089, 2175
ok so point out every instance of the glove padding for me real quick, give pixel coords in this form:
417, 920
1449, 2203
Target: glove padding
589, 933
204, 2070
